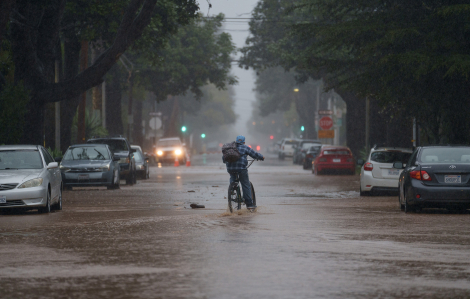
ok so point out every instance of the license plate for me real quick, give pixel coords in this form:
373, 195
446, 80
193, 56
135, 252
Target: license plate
336, 160
83, 177
3, 199
393, 172
452, 179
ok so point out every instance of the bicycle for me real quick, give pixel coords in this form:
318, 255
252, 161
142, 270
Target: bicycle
235, 198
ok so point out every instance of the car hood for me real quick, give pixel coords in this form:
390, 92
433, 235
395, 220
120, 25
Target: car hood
18, 176
84, 163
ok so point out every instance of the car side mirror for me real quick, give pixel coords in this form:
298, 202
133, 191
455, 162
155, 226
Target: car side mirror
398, 165
147, 160
133, 150
52, 165
360, 162
115, 159
58, 159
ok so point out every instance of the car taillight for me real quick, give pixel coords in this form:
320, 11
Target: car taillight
420, 175
322, 160
368, 166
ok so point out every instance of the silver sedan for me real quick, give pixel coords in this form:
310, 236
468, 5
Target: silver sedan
29, 178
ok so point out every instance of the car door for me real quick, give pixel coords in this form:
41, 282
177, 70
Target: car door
54, 174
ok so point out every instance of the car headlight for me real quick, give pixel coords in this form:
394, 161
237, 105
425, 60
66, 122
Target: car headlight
104, 167
63, 168
159, 153
31, 183
124, 160
178, 152
140, 167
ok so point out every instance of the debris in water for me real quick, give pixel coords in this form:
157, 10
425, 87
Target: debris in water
195, 206
191, 191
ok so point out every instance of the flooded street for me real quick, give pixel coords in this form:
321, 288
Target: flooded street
311, 237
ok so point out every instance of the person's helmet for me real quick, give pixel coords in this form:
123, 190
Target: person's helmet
240, 139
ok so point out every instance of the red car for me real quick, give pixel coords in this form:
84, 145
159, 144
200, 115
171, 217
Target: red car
334, 158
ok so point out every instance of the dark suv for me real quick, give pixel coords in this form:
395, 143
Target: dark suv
122, 149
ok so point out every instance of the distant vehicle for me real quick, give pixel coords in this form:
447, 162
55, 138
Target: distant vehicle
334, 158
377, 172
301, 149
287, 148
29, 179
435, 177
90, 165
141, 163
310, 155
121, 148
170, 149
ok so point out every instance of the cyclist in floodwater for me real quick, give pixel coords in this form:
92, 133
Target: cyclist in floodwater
239, 167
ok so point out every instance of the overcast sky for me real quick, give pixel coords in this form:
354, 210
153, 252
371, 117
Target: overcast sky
238, 29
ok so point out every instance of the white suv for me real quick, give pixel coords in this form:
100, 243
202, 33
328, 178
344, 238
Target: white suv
170, 149
377, 172
287, 148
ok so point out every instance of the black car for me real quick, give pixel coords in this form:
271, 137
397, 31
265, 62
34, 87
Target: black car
122, 149
302, 148
435, 177
141, 163
310, 155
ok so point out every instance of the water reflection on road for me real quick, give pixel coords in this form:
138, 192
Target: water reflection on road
311, 237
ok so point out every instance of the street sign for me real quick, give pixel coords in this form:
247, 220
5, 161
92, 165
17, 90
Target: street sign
326, 134
325, 112
326, 123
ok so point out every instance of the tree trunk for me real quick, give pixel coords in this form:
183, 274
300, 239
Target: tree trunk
5, 9
68, 108
138, 137
113, 103
171, 128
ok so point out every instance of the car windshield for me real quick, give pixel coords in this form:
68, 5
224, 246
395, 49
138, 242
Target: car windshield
20, 159
445, 155
390, 157
115, 145
86, 153
336, 152
290, 142
315, 148
168, 143
138, 157
307, 145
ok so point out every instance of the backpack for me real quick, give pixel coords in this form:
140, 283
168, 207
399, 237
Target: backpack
230, 152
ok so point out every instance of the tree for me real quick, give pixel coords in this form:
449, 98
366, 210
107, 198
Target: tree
35, 36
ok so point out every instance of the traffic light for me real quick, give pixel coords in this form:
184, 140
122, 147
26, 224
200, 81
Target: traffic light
203, 135
302, 128
183, 129
271, 137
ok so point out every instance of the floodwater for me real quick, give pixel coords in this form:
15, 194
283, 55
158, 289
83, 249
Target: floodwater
311, 237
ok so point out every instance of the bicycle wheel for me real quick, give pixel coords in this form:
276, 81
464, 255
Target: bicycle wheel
234, 198
253, 195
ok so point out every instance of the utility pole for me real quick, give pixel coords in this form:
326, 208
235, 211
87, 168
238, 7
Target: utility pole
57, 110
81, 107
367, 124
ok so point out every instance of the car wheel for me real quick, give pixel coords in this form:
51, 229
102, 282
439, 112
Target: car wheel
317, 172
304, 166
116, 181
402, 206
129, 179
147, 175
135, 177
47, 208
363, 193
407, 208
58, 205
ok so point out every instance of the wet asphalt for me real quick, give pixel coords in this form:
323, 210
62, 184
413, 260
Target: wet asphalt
311, 237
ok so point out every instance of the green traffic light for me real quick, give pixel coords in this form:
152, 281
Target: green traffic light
203, 135
183, 129
302, 128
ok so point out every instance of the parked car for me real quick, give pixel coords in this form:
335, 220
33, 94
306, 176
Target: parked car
170, 149
334, 158
121, 148
141, 163
90, 165
287, 148
435, 177
378, 173
29, 179
301, 149
310, 155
